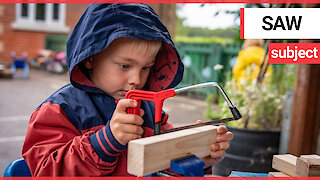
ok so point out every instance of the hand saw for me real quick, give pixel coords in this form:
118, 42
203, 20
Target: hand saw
159, 97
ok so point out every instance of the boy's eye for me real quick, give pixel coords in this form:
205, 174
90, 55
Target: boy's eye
147, 68
123, 66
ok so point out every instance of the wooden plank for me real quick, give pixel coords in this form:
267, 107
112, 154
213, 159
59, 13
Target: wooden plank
152, 154
277, 174
286, 163
308, 165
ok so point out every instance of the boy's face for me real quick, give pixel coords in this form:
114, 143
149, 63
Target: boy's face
121, 67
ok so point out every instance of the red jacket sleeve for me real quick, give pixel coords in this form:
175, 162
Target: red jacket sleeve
54, 147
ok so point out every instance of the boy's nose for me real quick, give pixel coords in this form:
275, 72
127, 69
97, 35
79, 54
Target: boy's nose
134, 79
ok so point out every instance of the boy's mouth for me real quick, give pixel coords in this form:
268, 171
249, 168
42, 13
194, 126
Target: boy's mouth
123, 92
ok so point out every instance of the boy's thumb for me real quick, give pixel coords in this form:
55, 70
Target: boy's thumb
141, 112
199, 122
123, 104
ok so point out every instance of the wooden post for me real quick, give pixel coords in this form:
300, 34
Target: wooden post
167, 14
305, 111
306, 107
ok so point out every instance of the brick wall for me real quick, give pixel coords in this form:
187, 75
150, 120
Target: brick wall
1, 28
28, 41
31, 41
74, 12
18, 41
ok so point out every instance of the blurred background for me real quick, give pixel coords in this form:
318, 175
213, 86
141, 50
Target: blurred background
279, 103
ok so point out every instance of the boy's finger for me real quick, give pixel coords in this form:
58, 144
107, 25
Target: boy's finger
141, 112
228, 136
199, 122
123, 104
132, 129
220, 146
130, 119
218, 154
215, 147
133, 136
124, 138
222, 129
224, 145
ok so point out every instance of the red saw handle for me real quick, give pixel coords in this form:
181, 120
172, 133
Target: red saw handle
156, 97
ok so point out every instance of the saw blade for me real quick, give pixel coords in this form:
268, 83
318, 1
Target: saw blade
212, 122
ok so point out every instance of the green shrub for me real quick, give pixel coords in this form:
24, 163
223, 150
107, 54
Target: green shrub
199, 39
261, 104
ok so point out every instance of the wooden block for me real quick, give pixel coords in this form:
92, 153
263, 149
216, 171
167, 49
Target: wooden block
277, 174
152, 154
286, 163
308, 165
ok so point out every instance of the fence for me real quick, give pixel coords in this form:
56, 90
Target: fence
200, 59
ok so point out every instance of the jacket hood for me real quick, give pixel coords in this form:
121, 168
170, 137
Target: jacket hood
102, 23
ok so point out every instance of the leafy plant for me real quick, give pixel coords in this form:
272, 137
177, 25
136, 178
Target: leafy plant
261, 104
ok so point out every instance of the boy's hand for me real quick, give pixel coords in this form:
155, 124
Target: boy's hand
126, 127
218, 149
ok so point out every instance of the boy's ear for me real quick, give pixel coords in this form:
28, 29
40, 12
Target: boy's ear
88, 63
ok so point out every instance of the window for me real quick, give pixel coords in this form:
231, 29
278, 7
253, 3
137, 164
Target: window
41, 17
55, 11
24, 10
40, 12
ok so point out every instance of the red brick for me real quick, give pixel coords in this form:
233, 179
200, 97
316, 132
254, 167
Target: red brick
30, 41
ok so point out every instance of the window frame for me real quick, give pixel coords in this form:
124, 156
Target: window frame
48, 25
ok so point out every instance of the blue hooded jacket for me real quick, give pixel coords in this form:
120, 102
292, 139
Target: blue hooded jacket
69, 133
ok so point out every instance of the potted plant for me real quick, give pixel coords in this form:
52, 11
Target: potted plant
257, 134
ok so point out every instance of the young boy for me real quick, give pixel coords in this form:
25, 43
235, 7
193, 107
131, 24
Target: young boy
83, 129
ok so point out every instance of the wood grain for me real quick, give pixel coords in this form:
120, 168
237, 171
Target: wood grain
286, 163
152, 154
308, 165
277, 174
